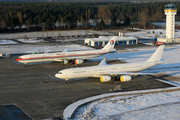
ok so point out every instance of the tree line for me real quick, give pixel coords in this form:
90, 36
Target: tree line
67, 15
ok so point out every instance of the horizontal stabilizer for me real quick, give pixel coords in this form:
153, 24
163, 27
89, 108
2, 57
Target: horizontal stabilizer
103, 62
66, 50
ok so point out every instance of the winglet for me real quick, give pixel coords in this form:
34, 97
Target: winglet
156, 57
103, 62
66, 50
110, 44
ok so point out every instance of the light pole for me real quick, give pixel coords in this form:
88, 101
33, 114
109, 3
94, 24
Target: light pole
43, 29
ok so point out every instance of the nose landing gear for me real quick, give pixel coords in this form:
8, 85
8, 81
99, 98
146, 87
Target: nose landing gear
67, 81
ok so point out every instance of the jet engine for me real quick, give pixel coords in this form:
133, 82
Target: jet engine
125, 78
105, 78
65, 62
78, 61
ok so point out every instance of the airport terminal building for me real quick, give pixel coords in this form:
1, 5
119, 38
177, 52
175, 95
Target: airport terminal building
103, 40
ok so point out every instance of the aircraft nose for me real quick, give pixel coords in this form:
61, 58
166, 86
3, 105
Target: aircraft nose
61, 74
57, 75
18, 59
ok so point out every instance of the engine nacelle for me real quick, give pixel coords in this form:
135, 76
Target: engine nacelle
125, 78
78, 61
105, 78
65, 62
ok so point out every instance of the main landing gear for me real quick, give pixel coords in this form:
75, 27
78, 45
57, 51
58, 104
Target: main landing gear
25, 65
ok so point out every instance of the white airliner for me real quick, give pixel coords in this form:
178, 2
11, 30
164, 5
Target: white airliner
78, 56
106, 72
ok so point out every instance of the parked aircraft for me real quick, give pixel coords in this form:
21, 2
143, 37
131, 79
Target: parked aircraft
77, 56
106, 72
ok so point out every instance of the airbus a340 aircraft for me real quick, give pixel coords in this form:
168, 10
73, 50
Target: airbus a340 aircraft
105, 72
78, 56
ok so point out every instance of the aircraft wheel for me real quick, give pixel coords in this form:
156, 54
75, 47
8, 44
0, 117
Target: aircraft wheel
67, 82
116, 78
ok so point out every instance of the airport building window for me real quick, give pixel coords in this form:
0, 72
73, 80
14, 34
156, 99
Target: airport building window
117, 43
124, 42
120, 43
90, 43
130, 42
134, 41
96, 43
100, 43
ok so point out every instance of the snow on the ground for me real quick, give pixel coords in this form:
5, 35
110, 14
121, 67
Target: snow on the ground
7, 42
50, 34
133, 107
33, 41
152, 33
29, 40
24, 48
40, 40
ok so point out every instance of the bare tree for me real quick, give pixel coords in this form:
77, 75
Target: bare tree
144, 18
87, 17
57, 24
89, 14
62, 22
158, 16
82, 21
104, 13
19, 15
10, 13
3, 23
27, 24
25, 16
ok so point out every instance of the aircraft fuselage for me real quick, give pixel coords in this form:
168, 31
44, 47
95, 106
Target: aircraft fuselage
98, 71
59, 56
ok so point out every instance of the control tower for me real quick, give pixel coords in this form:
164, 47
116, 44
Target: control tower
170, 12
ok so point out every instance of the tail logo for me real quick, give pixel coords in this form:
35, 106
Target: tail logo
112, 42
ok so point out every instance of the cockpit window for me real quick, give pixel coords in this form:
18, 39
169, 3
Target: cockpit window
60, 72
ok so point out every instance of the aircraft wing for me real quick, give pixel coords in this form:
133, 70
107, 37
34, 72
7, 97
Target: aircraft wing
122, 73
70, 58
77, 57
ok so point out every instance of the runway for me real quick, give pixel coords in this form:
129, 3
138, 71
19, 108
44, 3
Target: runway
37, 92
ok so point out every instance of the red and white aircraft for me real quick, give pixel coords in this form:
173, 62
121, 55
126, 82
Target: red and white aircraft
65, 56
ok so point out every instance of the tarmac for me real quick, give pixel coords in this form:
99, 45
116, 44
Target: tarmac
40, 95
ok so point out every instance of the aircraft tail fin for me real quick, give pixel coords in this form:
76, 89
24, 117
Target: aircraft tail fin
110, 44
156, 57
